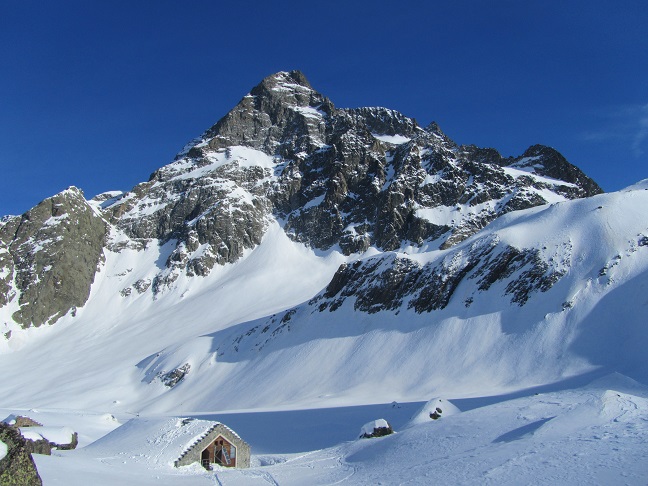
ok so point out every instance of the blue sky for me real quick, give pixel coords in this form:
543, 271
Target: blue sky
100, 94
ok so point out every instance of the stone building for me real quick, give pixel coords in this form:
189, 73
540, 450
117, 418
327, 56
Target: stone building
219, 445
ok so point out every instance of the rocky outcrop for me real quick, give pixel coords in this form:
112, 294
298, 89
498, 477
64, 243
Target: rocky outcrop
17, 467
395, 281
44, 446
22, 421
175, 376
354, 178
351, 178
50, 256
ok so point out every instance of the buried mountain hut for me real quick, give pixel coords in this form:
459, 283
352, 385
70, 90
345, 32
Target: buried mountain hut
176, 441
220, 445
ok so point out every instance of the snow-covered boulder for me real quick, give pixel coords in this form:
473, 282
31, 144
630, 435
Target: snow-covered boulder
434, 409
63, 438
375, 428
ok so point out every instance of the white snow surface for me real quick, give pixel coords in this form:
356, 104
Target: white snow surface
393, 139
153, 441
565, 434
299, 396
3, 450
116, 346
57, 435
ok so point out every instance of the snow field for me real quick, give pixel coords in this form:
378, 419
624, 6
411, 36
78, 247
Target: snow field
591, 434
97, 370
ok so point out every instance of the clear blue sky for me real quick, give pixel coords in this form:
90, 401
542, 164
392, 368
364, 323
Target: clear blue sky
100, 94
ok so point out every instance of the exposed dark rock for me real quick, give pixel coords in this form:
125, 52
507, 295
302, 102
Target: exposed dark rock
23, 421
549, 162
173, 377
53, 252
74, 442
42, 446
334, 178
436, 413
142, 285
17, 468
388, 282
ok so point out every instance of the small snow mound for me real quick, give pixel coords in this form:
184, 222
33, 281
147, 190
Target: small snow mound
375, 428
620, 382
109, 417
433, 410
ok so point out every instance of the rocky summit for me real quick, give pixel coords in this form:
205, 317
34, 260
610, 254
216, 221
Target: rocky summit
334, 178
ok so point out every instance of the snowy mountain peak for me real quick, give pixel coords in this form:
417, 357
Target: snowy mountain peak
284, 81
300, 256
344, 180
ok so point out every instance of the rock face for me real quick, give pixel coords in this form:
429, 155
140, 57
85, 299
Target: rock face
17, 467
334, 178
175, 376
347, 177
49, 257
381, 283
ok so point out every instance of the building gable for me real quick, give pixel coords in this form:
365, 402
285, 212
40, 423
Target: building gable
194, 452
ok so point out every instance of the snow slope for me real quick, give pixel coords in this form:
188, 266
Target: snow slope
486, 357
592, 434
110, 356
94, 357
593, 317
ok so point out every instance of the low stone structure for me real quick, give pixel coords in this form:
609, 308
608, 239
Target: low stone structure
40, 439
375, 428
21, 421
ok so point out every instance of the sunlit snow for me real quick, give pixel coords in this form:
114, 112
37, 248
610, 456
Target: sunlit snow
550, 393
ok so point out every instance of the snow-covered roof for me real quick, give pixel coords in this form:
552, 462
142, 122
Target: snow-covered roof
159, 441
57, 435
10, 419
370, 427
20, 420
